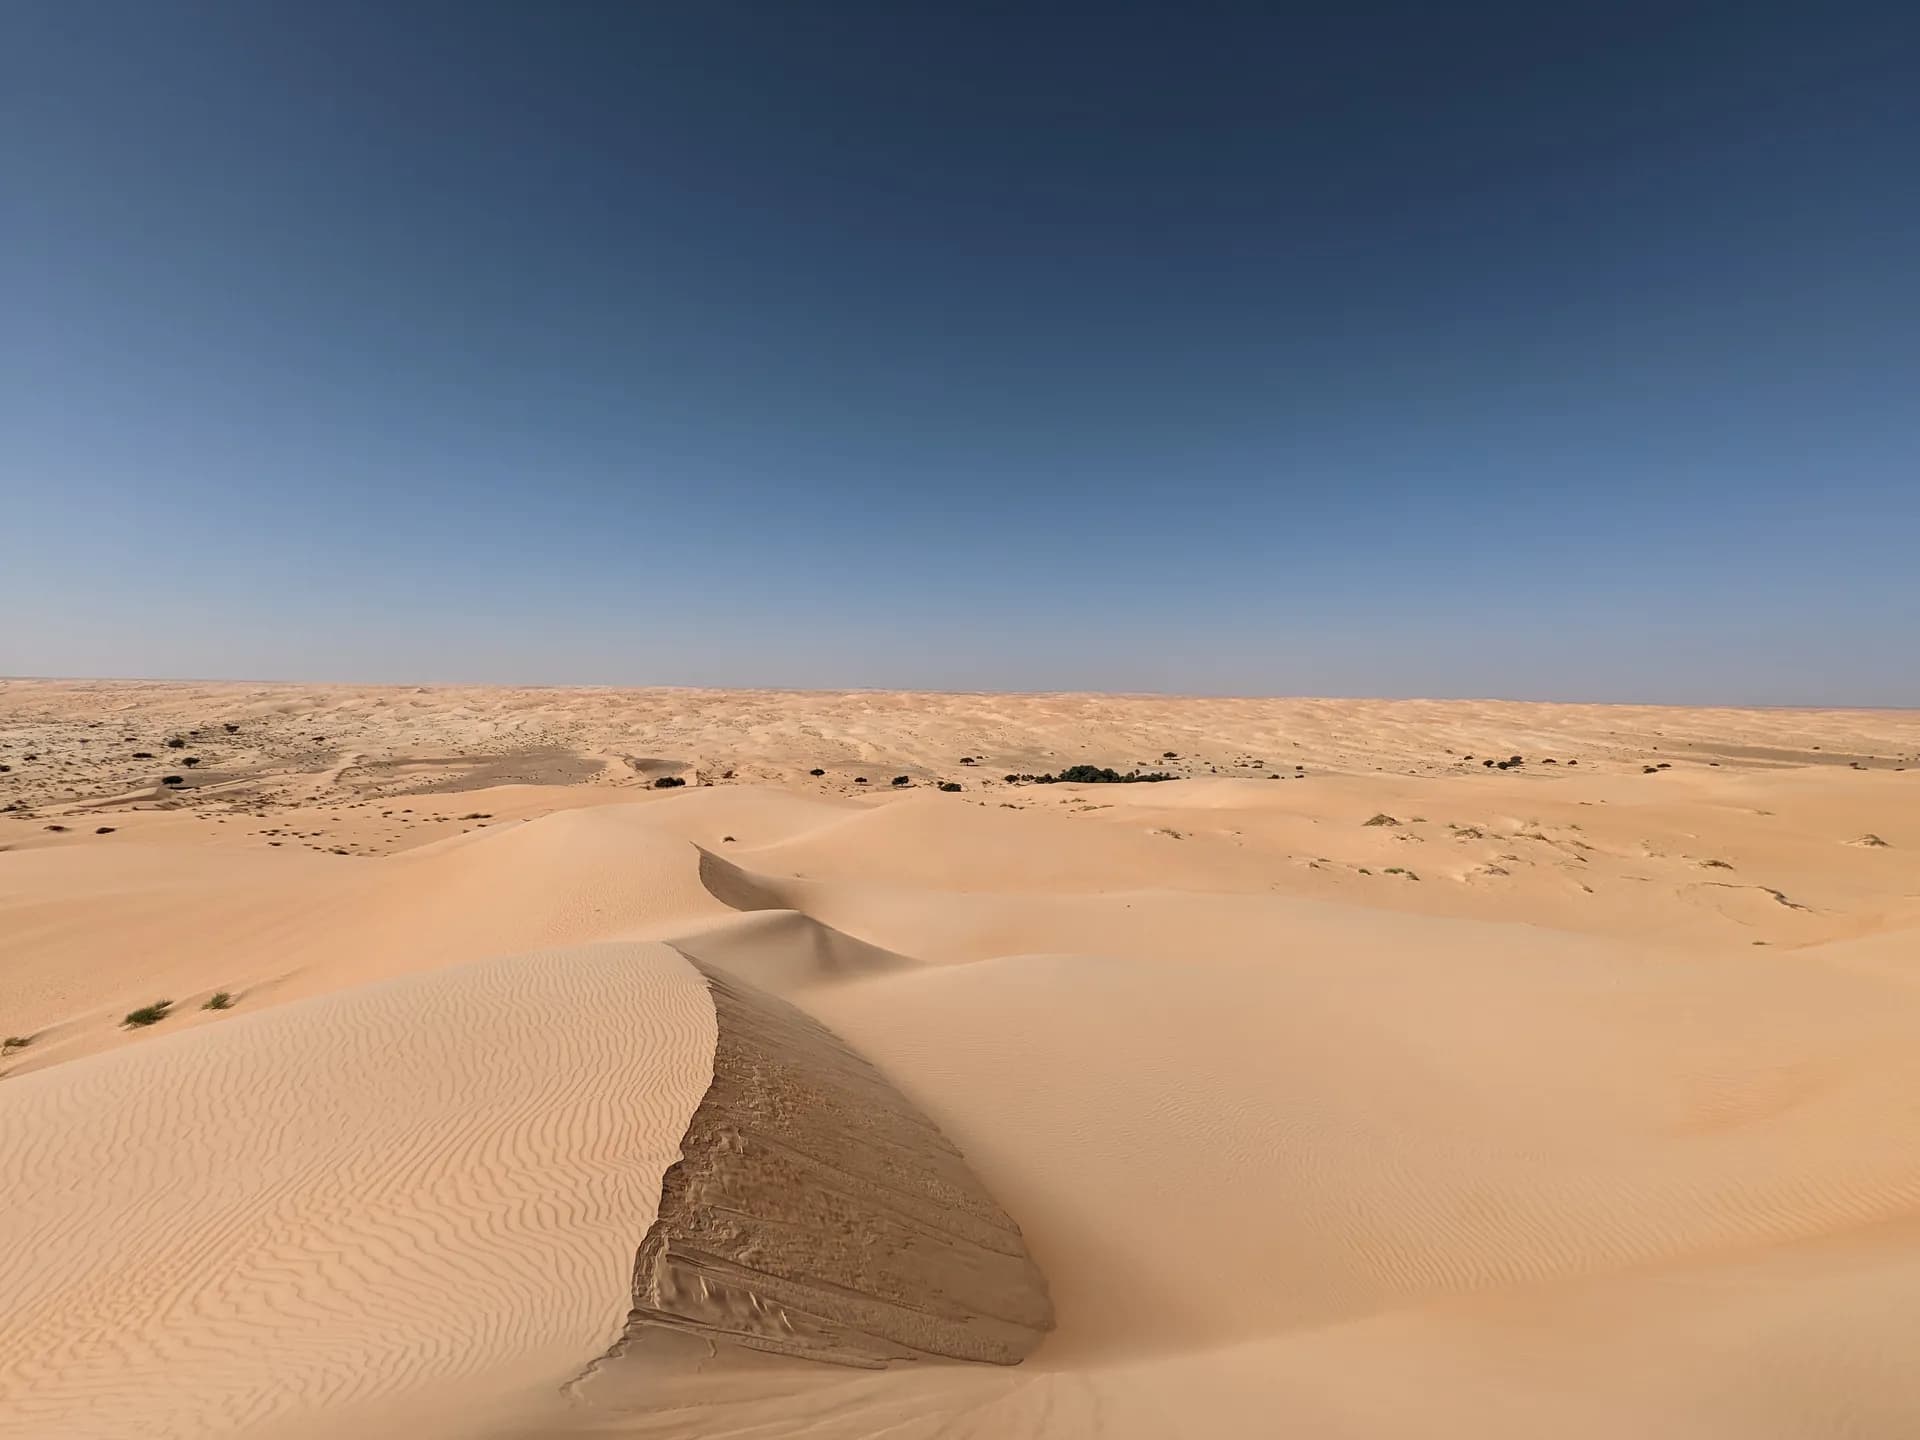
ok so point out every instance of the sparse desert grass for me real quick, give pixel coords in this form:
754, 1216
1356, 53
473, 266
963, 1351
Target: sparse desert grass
219, 1000
149, 1014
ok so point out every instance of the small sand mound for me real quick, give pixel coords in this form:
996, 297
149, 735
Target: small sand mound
816, 1213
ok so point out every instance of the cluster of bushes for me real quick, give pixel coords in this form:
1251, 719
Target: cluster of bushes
1092, 775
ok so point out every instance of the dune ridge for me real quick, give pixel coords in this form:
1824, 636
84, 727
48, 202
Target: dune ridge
815, 1213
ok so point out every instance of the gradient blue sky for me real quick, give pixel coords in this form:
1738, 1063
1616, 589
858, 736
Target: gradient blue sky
1494, 349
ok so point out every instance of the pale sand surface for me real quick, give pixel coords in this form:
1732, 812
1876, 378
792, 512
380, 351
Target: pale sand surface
1598, 1117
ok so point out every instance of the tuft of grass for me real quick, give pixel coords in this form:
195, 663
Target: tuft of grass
1382, 819
219, 1000
1401, 870
149, 1014
15, 1042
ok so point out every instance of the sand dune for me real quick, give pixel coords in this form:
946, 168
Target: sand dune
433, 1178
816, 1213
1399, 1096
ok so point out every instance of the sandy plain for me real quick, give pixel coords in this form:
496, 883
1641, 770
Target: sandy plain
1347, 1085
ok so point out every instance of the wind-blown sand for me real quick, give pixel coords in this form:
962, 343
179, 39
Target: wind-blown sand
1572, 1098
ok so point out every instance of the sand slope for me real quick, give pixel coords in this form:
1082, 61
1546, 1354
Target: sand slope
432, 1178
816, 1213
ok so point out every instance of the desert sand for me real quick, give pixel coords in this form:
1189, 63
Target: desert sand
1346, 1085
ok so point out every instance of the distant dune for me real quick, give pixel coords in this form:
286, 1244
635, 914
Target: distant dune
1401, 1095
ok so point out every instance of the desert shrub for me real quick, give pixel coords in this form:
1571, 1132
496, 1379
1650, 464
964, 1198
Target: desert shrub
951, 787
668, 782
219, 1000
149, 1014
1093, 775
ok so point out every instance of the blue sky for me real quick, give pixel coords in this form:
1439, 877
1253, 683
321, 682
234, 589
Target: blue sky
1413, 349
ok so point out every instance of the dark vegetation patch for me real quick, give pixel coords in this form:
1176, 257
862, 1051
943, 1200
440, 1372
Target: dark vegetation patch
668, 782
149, 1014
1093, 775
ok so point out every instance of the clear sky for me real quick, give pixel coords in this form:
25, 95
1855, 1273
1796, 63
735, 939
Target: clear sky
1477, 349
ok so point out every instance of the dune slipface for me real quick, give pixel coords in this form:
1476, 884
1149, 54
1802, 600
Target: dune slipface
815, 1212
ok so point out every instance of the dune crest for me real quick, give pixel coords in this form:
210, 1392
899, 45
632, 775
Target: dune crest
816, 1213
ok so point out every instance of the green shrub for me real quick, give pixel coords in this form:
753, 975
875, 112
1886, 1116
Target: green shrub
219, 1000
1093, 775
149, 1014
